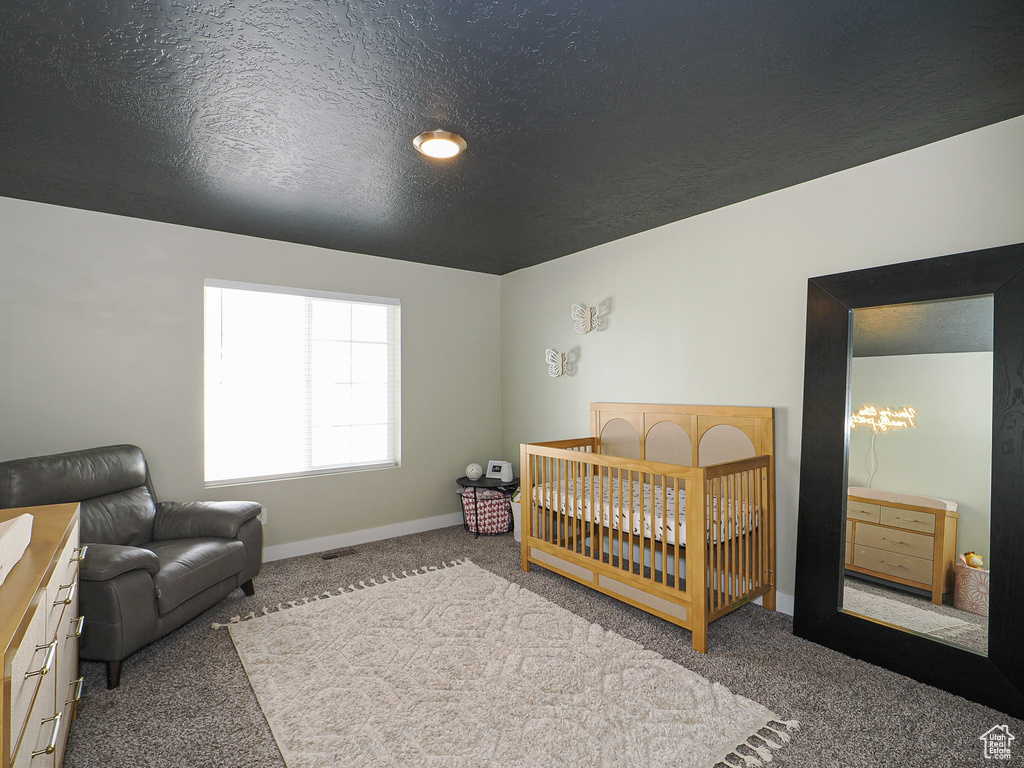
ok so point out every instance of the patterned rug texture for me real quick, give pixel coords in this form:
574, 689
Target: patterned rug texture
455, 667
907, 616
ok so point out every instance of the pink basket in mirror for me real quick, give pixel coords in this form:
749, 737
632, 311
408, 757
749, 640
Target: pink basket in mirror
970, 592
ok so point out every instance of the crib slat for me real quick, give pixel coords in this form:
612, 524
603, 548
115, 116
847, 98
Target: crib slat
760, 527
767, 534
642, 512
628, 491
664, 531
752, 507
587, 513
624, 558
599, 512
730, 550
713, 553
736, 521
679, 533
723, 531
549, 497
743, 512
720, 539
654, 532
560, 532
749, 527
570, 505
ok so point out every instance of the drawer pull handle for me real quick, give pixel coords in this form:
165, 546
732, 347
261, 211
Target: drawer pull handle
77, 625
51, 653
71, 594
79, 553
51, 745
78, 691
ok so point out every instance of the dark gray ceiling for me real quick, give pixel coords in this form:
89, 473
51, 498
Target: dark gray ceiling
587, 120
924, 328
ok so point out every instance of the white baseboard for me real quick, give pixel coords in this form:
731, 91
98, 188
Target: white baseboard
783, 603
324, 543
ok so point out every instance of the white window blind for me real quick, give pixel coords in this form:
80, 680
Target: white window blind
299, 382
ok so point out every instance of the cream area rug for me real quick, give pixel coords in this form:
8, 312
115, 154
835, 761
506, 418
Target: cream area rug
906, 616
455, 667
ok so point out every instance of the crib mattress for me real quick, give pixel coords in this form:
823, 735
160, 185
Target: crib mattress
575, 500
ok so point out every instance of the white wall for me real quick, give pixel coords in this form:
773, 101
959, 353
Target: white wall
101, 341
711, 309
948, 454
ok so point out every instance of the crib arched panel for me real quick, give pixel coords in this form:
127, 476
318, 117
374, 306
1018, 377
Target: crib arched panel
620, 438
669, 443
724, 442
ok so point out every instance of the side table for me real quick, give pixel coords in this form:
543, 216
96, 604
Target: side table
493, 483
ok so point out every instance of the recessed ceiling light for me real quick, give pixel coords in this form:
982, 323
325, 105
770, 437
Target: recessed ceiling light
439, 144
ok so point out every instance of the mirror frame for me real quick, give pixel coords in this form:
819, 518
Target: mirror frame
998, 679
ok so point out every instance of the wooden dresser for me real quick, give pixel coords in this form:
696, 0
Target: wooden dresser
39, 629
910, 540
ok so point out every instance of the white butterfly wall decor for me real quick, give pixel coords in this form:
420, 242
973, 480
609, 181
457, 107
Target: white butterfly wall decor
559, 363
587, 319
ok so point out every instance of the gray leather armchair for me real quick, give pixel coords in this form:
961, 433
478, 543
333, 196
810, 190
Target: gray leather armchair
151, 566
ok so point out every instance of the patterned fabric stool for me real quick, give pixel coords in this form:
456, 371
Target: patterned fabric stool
971, 588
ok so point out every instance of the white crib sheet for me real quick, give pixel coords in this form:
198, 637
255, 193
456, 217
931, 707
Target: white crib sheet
577, 503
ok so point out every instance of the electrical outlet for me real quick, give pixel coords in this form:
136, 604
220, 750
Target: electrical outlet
263, 516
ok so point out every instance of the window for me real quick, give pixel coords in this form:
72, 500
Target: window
299, 382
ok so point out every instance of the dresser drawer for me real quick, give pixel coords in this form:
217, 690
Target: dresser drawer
915, 569
39, 608
910, 519
859, 510
892, 540
62, 586
69, 685
27, 662
40, 733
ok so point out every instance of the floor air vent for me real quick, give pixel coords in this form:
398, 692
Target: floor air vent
336, 553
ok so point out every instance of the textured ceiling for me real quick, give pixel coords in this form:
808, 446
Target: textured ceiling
586, 120
924, 328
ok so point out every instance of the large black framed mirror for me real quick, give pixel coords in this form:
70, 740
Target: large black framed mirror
995, 678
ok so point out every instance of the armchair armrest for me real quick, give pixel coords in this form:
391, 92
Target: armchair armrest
105, 561
197, 519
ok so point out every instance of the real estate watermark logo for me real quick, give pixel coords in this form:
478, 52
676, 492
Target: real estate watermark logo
997, 741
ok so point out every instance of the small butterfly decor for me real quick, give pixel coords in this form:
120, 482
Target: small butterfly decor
587, 319
559, 363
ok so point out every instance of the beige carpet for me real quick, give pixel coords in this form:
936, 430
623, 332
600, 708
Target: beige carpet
457, 668
907, 616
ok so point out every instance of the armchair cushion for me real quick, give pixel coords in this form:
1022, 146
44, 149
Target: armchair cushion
112, 483
188, 566
195, 519
125, 517
71, 476
105, 561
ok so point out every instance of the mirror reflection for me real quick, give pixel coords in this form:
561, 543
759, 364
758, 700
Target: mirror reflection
920, 467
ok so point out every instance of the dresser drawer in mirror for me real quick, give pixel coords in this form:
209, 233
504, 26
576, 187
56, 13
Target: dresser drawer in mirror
905, 567
910, 519
859, 510
892, 540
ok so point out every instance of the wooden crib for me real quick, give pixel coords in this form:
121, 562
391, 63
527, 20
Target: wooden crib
655, 492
